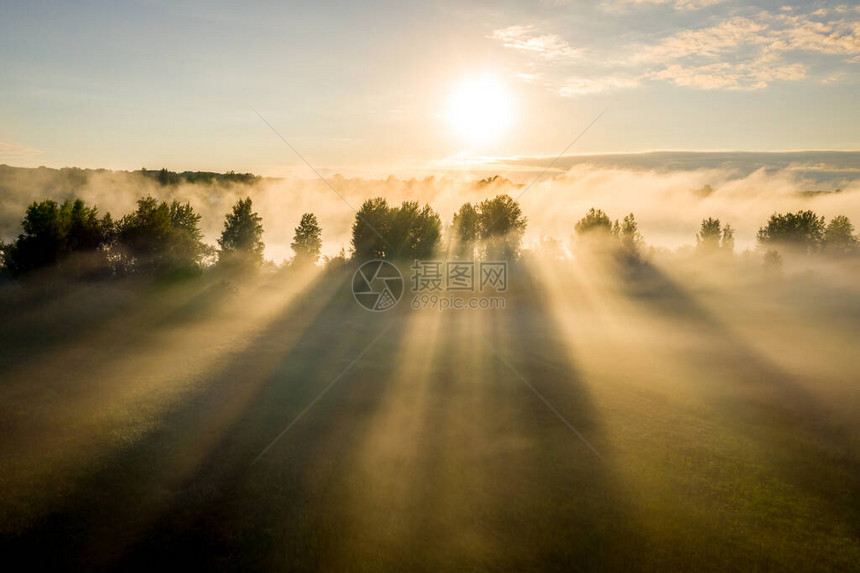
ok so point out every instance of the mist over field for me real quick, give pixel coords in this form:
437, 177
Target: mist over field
660, 403
744, 190
438, 286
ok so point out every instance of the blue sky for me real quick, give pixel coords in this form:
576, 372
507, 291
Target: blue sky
363, 86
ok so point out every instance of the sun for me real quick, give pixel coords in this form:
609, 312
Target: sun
480, 109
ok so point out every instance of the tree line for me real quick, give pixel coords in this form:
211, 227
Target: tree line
801, 232
157, 238
161, 238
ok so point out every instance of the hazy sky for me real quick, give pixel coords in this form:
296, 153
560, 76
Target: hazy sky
367, 86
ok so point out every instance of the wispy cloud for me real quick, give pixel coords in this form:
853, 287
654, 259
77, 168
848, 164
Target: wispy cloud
735, 53
527, 39
678, 4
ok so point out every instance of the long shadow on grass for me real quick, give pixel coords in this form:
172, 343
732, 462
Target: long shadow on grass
803, 436
169, 490
277, 513
41, 321
564, 507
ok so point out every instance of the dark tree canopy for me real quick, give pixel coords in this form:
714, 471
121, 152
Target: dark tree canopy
597, 232
71, 235
839, 236
414, 232
161, 237
242, 237
307, 241
465, 232
372, 225
709, 235
405, 232
802, 231
713, 237
628, 235
501, 225
595, 221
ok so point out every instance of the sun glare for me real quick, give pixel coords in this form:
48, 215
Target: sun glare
479, 109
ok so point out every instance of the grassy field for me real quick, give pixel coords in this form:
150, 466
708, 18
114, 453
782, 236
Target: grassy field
658, 419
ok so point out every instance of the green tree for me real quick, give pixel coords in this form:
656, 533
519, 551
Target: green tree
414, 232
839, 236
307, 241
408, 231
161, 238
466, 231
71, 235
166, 177
501, 225
241, 240
369, 230
802, 231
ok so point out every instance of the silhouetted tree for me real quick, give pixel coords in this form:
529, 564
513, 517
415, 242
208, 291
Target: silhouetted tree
336, 261
160, 237
713, 237
803, 231
839, 236
369, 230
70, 234
407, 231
501, 224
307, 241
628, 235
414, 231
595, 221
727, 244
466, 232
166, 177
241, 240
710, 233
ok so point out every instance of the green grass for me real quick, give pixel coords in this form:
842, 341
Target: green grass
128, 439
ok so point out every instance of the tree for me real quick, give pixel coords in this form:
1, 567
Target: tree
595, 221
414, 232
71, 235
772, 261
839, 236
407, 231
465, 231
727, 244
710, 233
802, 231
713, 237
166, 177
372, 224
307, 242
241, 240
161, 237
628, 235
598, 233
501, 225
